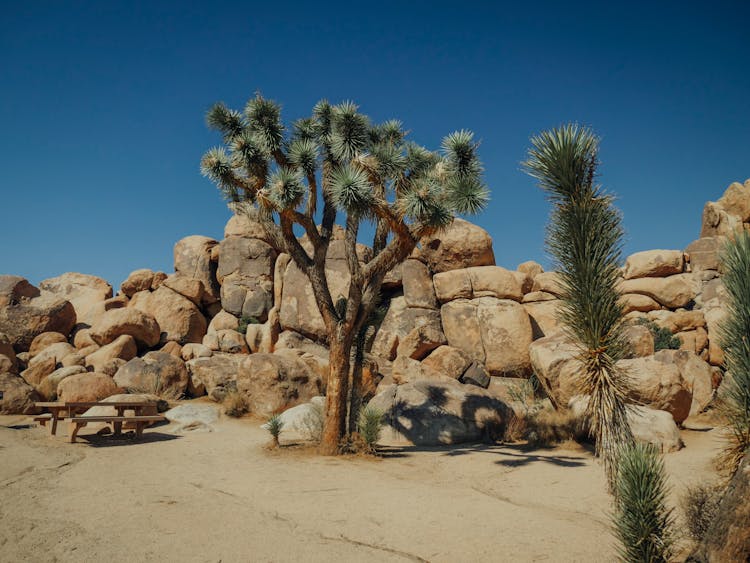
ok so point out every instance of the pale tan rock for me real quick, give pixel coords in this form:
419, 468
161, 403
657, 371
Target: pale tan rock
398, 322
696, 374
159, 373
455, 284
110, 367
223, 321
73, 359
56, 351
408, 370
83, 339
447, 361
193, 350
537, 296
481, 281
530, 268
192, 258
717, 221
123, 347
704, 253
232, 342
178, 318
243, 226
641, 341
43, 340
211, 341
8, 359
271, 383
637, 302
138, 280
548, 282
736, 200
18, 396
215, 375
47, 388
189, 288
34, 374
672, 292
245, 272
654, 263
715, 315
420, 342
526, 281
25, 312
84, 292
461, 245
543, 317
131, 321
417, 283
658, 385
678, 321
85, 387
556, 365
495, 332
173, 348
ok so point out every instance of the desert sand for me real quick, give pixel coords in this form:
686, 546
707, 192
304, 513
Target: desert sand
223, 496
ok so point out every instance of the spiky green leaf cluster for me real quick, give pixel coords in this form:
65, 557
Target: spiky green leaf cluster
642, 520
735, 342
584, 238
366, 164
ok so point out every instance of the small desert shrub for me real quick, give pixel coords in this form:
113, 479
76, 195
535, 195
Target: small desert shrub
546, 427
274, 426
663, 337
244, 322
642, 520
515, 428
699, 505
369, 423
235, 404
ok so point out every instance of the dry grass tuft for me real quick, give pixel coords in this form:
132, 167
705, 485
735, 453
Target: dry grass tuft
235, 404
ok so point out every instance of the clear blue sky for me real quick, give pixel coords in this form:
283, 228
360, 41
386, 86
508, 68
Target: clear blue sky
102, 109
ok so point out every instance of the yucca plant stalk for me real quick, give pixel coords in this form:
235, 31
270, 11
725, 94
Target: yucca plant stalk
338, 162
735, 342
584, 238
642, 520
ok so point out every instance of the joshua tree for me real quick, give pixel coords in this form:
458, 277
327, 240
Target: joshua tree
735, 339
338, 160
584, 238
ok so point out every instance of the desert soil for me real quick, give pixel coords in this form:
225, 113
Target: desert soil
222, 496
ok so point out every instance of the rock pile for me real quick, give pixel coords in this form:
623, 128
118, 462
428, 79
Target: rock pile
236, 317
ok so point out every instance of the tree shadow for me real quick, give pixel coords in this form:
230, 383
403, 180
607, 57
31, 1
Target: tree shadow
125, 439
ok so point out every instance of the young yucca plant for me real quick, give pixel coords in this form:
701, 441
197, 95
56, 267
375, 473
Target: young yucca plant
369, 423
585, 238
735, 335
642, 520
274, 426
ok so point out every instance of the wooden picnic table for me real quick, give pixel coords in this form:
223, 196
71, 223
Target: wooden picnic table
72, 409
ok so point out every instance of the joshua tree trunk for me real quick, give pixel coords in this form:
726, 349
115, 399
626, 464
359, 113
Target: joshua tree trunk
337, 390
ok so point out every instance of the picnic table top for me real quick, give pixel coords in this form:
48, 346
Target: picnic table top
58, 404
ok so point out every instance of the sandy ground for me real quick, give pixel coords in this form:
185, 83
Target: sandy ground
221, 496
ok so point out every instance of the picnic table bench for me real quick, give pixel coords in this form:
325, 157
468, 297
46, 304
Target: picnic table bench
74, 410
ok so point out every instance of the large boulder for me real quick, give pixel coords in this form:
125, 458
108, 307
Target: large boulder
494, 332
18, 396
420, 342
190, 416
736, 200
438, 412
130, 321
44, 340
142, 280
556, 365
158, 373
25, 312
659, 385
178, 318
83, 291
246, 268
398, 322
8, 359
123, 347
481, 281
696, 374
705, 253
215, 375
86, 387
448, 361
654, 263
192, 259
272, 383
461, 245
417, 283
299, 310
48, 386
648, 425
544, 317
189, 288
40, 369
672, 292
